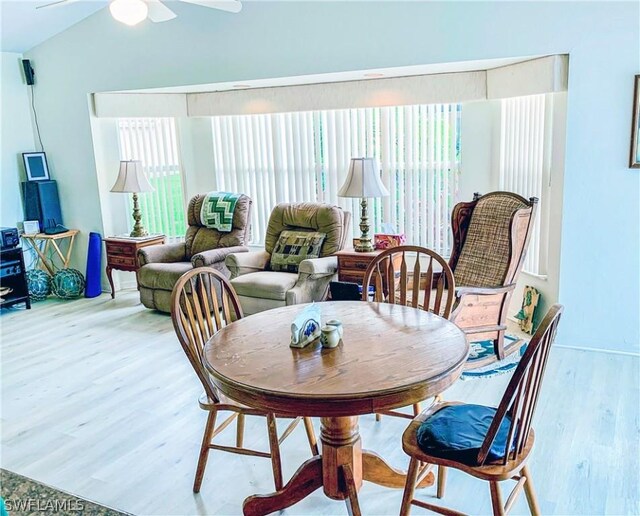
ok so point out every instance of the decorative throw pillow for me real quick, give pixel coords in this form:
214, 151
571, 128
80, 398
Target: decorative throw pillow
293, 247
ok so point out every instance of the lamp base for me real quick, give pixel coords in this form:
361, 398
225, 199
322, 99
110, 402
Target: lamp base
362, 245
138, 228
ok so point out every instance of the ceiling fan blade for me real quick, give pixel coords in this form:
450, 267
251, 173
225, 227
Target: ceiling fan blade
231, 6
158, 12
54, 4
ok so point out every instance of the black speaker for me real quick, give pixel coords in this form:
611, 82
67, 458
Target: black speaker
41, 203
28, 72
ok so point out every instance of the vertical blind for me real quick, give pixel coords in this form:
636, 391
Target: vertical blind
304, 156
524, 167
154, 142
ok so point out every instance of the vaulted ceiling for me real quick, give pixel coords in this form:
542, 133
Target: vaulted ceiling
23, 26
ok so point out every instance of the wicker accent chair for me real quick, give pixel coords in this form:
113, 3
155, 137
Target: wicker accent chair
491, 235
162, 265
259, 288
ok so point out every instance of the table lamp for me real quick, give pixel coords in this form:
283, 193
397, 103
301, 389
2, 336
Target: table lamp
363, 181
131, 179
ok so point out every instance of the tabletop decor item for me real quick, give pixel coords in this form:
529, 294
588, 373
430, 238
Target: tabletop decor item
305, 328
38, 284
330, 337
338, 325
387, 241
67, 283
131, 179
363, 181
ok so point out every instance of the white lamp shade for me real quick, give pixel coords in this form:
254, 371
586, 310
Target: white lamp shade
131, 178
363, 180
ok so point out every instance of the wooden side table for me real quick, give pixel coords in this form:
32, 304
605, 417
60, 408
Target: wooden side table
41, 243
122, 255
352, 264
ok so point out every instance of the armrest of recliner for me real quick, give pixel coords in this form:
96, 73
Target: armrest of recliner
314, 276
162, 253
216, 255
318, 267
245, 263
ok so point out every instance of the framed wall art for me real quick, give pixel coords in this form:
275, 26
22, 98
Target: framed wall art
634, 154
35, 165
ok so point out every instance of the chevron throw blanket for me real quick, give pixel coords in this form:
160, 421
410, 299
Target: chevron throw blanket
217, 210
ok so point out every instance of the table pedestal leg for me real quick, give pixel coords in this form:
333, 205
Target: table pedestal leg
340, 471
305, 481
378, 471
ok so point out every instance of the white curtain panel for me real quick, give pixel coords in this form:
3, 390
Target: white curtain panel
153, 141
524, 164
304, 156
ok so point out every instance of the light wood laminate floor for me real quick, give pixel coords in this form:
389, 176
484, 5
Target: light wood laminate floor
99, 400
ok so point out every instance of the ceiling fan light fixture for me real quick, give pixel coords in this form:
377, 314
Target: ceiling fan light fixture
129, 12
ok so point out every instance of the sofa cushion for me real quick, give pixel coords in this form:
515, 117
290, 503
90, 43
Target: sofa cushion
457, 432
162, 275
200, 238
265, 284
293, 247
306, 216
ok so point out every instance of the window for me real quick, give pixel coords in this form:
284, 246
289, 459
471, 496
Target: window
304, 156
524, 165
153, 141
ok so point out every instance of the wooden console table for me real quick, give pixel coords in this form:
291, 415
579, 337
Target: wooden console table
122, 254
43, 243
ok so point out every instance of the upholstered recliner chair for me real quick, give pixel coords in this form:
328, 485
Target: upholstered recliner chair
162, 265
259, 288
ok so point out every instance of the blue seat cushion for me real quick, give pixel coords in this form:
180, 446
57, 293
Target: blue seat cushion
457, 432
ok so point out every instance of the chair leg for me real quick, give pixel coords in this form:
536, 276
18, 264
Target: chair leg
378, 417
416, 409
311, 436
204, 450
409, 487
530, 492
240, 431
442, 479
275, 451
498, 345
496, 499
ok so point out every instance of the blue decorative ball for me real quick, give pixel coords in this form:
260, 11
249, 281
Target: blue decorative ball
39, 284
67, 283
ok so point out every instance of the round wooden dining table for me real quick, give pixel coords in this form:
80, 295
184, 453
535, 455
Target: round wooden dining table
390, 356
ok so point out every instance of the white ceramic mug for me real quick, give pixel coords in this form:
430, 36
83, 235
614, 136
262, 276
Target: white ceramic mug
330, 336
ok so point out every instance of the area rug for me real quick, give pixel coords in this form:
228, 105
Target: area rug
21, 496
483, 349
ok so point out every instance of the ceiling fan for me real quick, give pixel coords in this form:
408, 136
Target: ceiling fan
133, 12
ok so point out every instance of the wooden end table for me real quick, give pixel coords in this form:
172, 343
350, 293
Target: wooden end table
122, 254
42, 243
391, 356
353, 264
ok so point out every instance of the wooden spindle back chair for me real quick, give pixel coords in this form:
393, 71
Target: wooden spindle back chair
516, 409
202, 303
426, 284
420, 285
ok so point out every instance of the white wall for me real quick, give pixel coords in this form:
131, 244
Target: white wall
599, 273
16, 137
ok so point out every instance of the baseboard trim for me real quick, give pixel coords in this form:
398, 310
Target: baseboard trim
599, 350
